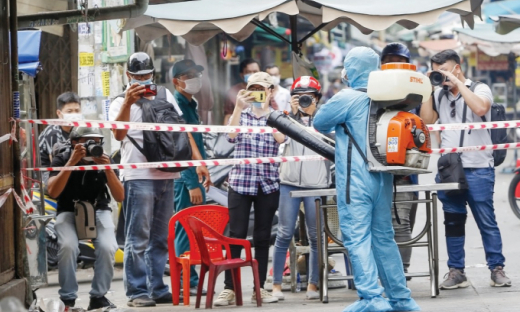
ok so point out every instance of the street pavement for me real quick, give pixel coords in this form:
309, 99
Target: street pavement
479, 297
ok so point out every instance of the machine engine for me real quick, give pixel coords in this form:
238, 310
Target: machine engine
399, 141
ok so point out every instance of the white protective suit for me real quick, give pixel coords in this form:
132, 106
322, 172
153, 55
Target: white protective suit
364, 199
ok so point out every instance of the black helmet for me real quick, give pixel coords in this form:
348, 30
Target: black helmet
84, 132
140, 63
396, 48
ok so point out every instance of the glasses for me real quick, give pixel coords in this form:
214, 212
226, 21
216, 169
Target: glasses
452, 105
191, 75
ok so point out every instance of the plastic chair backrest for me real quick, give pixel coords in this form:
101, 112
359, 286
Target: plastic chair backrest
200, 231
214, 216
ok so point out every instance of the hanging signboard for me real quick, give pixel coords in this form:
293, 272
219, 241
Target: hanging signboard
486, 62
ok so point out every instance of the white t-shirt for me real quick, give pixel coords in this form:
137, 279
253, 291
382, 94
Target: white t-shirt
451, 138
129, 153
283, 99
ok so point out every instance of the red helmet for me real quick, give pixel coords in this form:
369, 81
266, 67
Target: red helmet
305, 84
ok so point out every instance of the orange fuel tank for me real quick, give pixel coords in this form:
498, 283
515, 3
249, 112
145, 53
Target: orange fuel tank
406, 132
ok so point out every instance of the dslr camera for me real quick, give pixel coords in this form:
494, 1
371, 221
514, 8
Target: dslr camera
305, 100
93, 149
437, 78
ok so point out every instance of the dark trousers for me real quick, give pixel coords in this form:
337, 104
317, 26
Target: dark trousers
239, 210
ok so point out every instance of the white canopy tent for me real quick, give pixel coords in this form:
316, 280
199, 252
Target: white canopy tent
488, 41
198, 21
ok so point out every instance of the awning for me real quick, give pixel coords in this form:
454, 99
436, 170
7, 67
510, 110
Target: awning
29, 51
432, 47
500, 8
487, 40
198, 21
505, 24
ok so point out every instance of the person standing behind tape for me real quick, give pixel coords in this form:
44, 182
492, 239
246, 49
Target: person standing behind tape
249, 184
478, 168
149, 193
281, 99
300, 176
188, 190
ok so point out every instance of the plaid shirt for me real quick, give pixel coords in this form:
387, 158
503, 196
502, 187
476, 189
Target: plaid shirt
245, 179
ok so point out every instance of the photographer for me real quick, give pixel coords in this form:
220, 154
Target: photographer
458, 97
70, 187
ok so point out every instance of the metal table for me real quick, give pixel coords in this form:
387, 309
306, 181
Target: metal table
429, 230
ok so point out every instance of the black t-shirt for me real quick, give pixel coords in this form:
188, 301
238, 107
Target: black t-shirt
88, 185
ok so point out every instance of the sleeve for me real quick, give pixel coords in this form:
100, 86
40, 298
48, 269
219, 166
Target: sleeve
44, 151
332, 113
235, 139
435, 99
170, 98
58, 161
483, 91
190, 177
114, 109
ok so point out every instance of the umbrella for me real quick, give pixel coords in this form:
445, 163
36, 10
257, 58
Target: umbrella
505, 24
198, 21
488, 41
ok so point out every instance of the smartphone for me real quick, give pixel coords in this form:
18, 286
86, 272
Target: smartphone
150, 90
259, 96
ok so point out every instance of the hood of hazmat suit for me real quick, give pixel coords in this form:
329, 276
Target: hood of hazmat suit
364, 198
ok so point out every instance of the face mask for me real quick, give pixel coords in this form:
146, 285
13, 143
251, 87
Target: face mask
193, 85
141, 82
246, 77
276, 80
257, 104
72, 117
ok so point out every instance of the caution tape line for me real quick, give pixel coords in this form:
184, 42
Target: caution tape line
476, 125
476, 148
190, 163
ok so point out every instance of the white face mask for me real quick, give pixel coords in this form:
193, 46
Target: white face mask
73, 117
193, 85
276, 80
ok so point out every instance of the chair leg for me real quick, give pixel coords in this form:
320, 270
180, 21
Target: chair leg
256, 276
212, 279
186, 275
237, 285
175, 281
202, 275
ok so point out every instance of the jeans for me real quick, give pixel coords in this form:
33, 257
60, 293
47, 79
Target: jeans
287, 213
148, 207
479, 196
105, 249
239, 210
406, 212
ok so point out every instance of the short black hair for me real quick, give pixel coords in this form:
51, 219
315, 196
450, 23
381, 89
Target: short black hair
246, 62
271, 66
66, 98
444, 56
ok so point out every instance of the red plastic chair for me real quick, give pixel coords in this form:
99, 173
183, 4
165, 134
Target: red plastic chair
206, 237
214, 216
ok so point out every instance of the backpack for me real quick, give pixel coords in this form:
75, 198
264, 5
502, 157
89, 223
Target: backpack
498, 136
162, 146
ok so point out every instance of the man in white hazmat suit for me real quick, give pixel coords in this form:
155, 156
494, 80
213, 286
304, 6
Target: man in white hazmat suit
364, 198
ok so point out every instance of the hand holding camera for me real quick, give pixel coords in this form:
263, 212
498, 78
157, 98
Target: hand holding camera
438, 77
77, 155
134, 93
295, 104
244, 99
101, 160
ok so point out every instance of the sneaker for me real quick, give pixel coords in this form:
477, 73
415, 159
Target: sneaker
266, 297
499, 278
456, 279
278, 294
166, 299
69, 303
100, 302
226, 297
312, 295
143, 301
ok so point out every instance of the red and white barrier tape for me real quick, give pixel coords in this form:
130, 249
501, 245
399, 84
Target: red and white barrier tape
187, 163
476, 125
475, 148
27, 207
4, 196
10, 136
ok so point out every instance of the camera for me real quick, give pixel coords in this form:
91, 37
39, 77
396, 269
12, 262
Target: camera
150, 90
437, 78
93, 149
305, 101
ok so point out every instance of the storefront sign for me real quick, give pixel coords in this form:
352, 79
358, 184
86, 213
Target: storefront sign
486, 62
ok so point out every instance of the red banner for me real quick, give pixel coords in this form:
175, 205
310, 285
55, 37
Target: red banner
486, 62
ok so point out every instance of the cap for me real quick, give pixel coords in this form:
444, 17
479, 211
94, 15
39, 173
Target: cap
260, 78
184, 66
140, 63
84, 132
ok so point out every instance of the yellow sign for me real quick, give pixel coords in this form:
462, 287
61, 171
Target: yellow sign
86, 59
105, 81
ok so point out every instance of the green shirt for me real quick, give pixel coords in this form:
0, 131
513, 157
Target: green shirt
191, 116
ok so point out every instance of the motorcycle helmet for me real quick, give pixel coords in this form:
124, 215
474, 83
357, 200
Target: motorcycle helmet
396, 48
84, 132
306, 84
140, 63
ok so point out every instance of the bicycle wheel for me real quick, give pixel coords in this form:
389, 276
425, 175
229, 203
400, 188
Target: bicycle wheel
514, 195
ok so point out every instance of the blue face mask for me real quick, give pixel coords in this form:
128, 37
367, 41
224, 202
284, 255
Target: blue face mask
141, 82
257, 104
246, 77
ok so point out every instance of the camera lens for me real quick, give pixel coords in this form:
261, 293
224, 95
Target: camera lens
436, 78
93, 149
305, 101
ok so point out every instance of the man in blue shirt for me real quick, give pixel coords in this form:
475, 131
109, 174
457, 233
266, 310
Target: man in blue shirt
187, 79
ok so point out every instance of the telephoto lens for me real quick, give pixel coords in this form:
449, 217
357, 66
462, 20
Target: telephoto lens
305, 101
93, 149
436, 78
